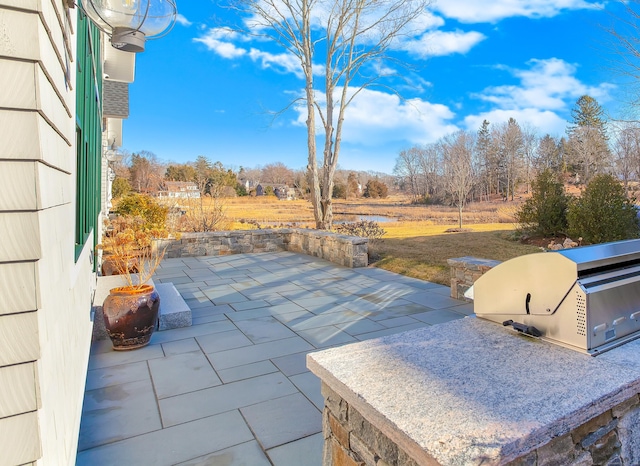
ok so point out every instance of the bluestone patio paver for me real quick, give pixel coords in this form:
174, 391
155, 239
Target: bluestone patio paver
196, 405
115, 358
245, 454
397, 321
360, 326
193, 331
233, 389
322, 320
292, 364
180, 346
182, 373
248, 371
324, 337
116, 375
118, 412
432, 299
207, 318
309, 385
245, 305
263, 329
223, 341
174, 444
259, 352
303, 452
280, 421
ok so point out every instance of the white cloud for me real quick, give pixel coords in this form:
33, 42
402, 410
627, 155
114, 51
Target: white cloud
440, 43
546, 90
475, 11
218, 41
279, 61
425, 21
376, 117
547, 84
221, 41
180, 19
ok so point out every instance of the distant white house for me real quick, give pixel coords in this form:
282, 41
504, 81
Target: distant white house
282, 192
180, 190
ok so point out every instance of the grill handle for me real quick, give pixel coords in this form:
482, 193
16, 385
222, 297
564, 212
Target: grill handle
529, 330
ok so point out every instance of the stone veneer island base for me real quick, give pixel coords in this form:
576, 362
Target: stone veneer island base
470, 392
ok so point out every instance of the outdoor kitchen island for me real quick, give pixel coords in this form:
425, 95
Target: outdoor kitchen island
471, 392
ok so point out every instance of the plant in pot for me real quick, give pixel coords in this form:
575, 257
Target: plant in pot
131, 311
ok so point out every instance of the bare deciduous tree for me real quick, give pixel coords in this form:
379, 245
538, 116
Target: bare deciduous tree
346, 36
548, 155
277, 173
146, 172
458, 168
626, 151
588, 152
510, 142
408, 168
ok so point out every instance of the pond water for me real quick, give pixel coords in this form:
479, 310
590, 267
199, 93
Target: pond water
359, 218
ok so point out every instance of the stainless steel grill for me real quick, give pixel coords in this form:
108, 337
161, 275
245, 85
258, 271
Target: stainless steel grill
586, 298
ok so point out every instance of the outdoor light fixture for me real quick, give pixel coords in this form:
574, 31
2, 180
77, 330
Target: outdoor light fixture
130, 22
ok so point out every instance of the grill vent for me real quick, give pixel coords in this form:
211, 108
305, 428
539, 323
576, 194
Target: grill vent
581, 314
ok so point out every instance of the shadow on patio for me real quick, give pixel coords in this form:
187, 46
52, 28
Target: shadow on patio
233, 389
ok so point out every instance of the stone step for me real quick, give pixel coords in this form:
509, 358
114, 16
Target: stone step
174, 311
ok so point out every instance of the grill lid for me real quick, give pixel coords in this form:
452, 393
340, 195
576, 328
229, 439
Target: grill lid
586, 298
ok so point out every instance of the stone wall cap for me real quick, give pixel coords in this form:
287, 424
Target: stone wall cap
471, 391
472, 260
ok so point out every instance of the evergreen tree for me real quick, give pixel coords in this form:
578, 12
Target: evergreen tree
588, 149
588, 112
487, 159
545, 213
603, 212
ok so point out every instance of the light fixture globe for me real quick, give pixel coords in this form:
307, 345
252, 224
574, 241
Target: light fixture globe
130, 22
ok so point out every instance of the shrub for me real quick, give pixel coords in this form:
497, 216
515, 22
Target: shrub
364, 229
375, 189
339, 191
241, 190
120, 187
603, 213
545, 213
142, 205
205, 214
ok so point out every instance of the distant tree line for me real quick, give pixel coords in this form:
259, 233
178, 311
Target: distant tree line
500, 159
143, 173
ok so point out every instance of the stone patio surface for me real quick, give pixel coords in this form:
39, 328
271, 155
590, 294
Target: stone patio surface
233, 389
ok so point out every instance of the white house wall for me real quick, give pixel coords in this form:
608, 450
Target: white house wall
45, 295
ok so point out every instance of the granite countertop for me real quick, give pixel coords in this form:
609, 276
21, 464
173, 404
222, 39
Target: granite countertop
470, 390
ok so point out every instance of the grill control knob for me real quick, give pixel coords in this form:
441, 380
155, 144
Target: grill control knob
635, 315
599, 328
619, 320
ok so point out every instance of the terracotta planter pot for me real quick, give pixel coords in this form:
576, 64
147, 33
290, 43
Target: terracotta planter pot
130, 316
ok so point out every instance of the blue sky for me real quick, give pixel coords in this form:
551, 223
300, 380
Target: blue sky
199, 91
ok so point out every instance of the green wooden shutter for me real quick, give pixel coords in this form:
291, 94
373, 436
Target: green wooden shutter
88, 131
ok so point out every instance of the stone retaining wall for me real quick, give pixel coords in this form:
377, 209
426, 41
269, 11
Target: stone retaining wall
610, 438
349, 251
465, 271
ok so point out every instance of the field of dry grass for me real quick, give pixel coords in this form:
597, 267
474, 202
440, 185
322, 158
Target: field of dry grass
268, 211
416, 244
421, 250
